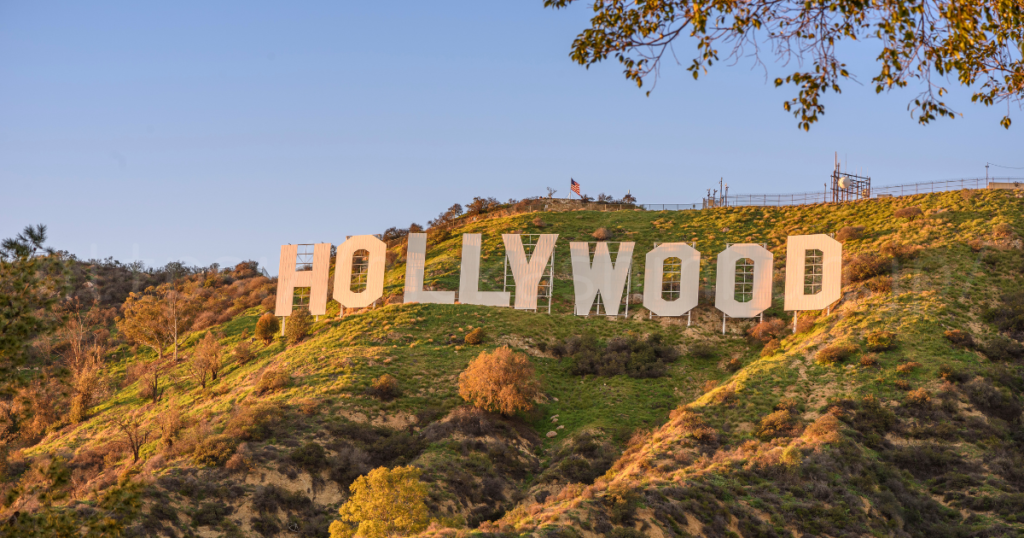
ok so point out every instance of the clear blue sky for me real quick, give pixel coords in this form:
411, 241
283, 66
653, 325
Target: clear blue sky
184, 130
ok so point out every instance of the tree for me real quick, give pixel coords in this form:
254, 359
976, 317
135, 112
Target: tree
298, 325
267, 327
33, 279
500, 382
204, 364
84, 360
976, 43
158, 317
133, 433
144, 321
384, 503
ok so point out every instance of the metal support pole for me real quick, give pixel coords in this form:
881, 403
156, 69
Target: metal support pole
629, 283
283, 319
796, 315
723, 322
689, 317
551, 279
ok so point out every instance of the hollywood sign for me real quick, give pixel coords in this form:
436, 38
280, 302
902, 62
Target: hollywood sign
813, 267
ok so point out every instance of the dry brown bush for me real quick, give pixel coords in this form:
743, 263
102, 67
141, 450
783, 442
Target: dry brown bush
779, 423
866, 266
966, 194
384, 388
709, 386
734, 365
880, 284
475, 337
539, 222
204, 364
773, 329
834, 354
823, 431
848, 233
901, 384
907, 367
918, 397
976, 245
900, 251
273, 378
909, 213
501, 381
243, 352
602, 234
770, 348
869, 360
960, 338
724, 395
1003, 230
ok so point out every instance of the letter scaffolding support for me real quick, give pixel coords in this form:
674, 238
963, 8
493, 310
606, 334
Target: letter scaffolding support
545, 290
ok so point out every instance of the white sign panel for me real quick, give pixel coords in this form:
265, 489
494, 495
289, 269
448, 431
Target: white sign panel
689, 279
600, 276
760, 296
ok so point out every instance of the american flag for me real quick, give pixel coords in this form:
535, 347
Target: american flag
574, 186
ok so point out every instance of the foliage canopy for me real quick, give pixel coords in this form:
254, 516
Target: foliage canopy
979, 44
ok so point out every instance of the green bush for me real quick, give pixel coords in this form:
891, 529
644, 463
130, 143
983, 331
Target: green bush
881, 340
866, 266
296, 328
214, 451
384, 388
1002, 349
243, 352
267, 327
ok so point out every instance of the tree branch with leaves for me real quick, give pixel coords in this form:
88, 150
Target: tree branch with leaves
978, 44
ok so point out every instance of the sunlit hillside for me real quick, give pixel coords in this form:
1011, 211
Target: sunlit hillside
896, 413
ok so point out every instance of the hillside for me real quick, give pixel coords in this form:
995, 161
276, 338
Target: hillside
837, 430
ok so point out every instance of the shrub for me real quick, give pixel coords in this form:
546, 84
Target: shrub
639, 358
310, 457
880, 284
1008, 314
475, 337
1000, 348
993, 401
834, 354
296, 328
701, 350
254, 422
907, 367
779, 423
602, 234
243, 352
539, 222
766, 331
901, 384
869, 360
273, 379
918, 397
804, 324
900, 251
847, 233
976, 245
267, 327
214, 451
734, 365
385, 502
960, 338
1003, 230
770, 348
909, 213
501, 381
384, 388
866, 266
881, 340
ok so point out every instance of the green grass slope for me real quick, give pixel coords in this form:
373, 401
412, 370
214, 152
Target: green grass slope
784, 445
